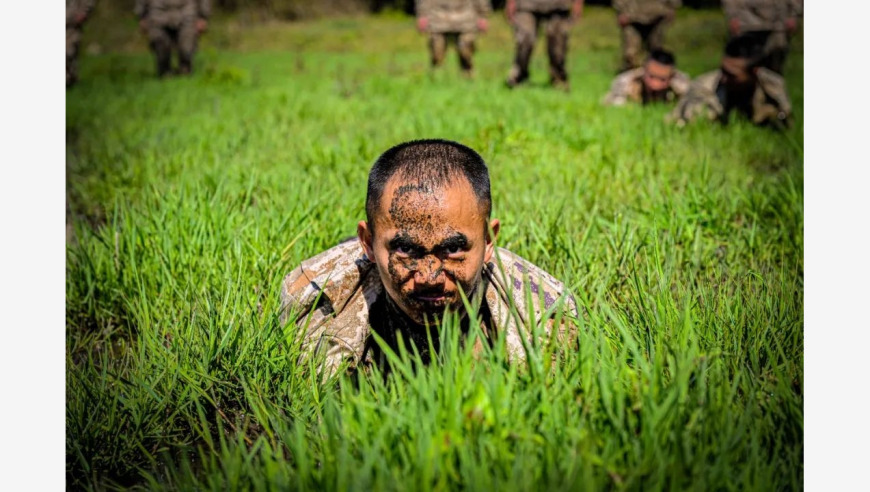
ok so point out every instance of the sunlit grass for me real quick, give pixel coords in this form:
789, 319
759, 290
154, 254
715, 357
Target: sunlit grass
189, 199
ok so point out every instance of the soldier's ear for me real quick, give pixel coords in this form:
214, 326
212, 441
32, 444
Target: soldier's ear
364, 233
491, 236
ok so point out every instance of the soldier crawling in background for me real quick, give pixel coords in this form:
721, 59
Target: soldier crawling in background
527, 16
77, 12
643, 24
769, 23
740, 84
657, 80
456, 21
173, 24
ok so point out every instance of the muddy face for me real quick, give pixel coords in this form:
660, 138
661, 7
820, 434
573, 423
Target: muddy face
428, 243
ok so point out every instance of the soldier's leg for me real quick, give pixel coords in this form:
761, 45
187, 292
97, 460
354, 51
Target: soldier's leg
525, 32
632, 44
187, 37
465, 47
73, 36
655, 38
437, 48
161, 45
557, 29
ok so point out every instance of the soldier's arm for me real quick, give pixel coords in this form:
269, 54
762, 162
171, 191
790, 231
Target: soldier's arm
204, 9
618, 94
423, 8
620, 6
675, 4
483, 8
88, 6
773, 85
577, 9
140, 9
732, 8
700, 101
680, 83
794, 11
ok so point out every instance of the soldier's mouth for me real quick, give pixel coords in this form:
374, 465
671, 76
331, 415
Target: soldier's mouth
434, 299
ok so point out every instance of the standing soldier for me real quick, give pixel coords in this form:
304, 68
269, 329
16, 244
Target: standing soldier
643, 25
77, 12
768, 22
173, 24
557, 17
456, 21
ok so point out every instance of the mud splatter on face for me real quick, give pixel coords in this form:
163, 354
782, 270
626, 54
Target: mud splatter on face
429, 244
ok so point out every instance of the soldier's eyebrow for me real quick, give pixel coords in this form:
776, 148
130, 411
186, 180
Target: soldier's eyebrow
403, 241
457, 240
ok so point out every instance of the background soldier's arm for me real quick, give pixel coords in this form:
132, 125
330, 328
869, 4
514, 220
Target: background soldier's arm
618, 94
620, 6
88, 6
140, 9
424, 8
675, 4
483, 8
203, 8
795, 8
577, 9
773, 85
701, 101
732, 8
680, 83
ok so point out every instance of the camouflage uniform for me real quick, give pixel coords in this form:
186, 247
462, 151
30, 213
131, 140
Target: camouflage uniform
74, 10
172, 23
707, 99
453, 19
627, 87
338, 296
556, 17
647, 20
764, 21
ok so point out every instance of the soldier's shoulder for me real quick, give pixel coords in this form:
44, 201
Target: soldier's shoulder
334, 272
515, 274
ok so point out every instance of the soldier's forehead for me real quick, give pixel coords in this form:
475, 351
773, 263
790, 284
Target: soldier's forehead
400, 189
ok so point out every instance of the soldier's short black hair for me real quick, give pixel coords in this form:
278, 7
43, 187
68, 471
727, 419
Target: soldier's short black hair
430, 162
746, 47
664, 57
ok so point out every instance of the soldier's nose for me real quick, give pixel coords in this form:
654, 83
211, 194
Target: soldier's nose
431, 271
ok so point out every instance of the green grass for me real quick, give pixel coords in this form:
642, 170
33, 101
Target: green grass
189, 199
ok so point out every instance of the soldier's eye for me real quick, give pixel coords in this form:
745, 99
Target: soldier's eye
452, 250
403, 250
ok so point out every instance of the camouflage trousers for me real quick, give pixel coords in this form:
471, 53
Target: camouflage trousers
73, 38
773, 45
557, 25
464, 47
636, 37
166, 38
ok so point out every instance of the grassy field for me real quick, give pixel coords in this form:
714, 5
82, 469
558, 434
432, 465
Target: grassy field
189, 199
